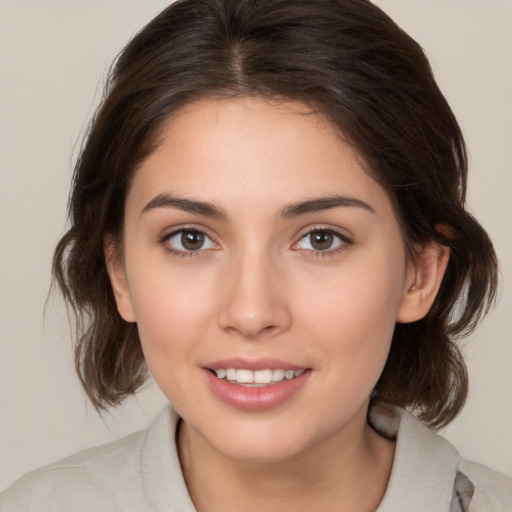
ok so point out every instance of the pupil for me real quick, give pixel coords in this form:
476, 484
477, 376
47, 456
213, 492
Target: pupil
192, 240
321, 240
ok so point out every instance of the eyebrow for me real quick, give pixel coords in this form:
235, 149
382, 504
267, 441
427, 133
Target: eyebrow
288, 212
187, 205
323, 203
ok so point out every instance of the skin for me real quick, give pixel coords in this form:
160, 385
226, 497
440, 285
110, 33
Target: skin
259, 288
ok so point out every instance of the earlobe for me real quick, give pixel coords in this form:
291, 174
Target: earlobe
424, 279
118, 281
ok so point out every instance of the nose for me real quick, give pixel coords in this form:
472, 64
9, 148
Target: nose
254, 303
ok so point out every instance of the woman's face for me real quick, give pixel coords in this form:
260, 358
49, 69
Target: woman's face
254, 244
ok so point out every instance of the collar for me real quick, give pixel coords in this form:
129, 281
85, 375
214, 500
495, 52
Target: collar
424, 466
423, 473
161, 471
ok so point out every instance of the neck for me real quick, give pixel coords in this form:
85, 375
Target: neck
348, 471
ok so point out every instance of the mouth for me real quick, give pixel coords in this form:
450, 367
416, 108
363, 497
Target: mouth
251, 385
256, 378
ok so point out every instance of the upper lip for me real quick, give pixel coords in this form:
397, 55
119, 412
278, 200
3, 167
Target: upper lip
243, 363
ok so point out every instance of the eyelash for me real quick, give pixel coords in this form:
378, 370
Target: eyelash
344, 242
164, 241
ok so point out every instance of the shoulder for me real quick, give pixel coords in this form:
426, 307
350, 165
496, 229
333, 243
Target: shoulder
140, 472
88, 480
427, 469
492, 490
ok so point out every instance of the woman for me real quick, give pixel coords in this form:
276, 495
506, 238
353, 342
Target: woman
269, 215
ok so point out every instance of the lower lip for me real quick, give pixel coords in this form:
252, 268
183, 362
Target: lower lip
255, 398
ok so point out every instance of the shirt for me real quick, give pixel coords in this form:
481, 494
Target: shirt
142, 473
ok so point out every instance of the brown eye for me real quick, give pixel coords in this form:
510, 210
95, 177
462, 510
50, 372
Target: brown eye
321, 240
189, 240
192, 240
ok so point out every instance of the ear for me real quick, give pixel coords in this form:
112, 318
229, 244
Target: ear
423, 281
117, 274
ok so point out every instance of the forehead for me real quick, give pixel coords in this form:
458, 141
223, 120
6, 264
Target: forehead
252, 150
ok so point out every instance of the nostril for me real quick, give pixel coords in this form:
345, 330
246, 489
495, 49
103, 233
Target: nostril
253, 315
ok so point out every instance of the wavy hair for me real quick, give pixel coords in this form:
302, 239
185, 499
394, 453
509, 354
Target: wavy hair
347, 60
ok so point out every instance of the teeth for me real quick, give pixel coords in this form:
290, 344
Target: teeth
245, 376
262, 377
277, 375
258, 376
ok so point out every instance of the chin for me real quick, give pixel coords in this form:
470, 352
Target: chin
262, 452
261, 441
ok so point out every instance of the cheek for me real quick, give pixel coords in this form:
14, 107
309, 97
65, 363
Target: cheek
353, 319
172, 308
166, 292
170, 325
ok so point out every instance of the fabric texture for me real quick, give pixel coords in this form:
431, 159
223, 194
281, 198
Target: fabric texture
141, 472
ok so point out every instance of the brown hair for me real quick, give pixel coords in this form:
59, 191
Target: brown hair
347, 60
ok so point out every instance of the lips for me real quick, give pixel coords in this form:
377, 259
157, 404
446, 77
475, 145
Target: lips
255, 385
260, 378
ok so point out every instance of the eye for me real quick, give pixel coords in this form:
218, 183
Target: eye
189, 240
321, 240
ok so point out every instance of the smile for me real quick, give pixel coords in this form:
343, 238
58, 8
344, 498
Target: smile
256, 378
255, 386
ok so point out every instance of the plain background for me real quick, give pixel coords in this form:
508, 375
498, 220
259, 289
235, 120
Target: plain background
53, 59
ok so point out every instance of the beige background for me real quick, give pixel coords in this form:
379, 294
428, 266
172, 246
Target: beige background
53, 55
